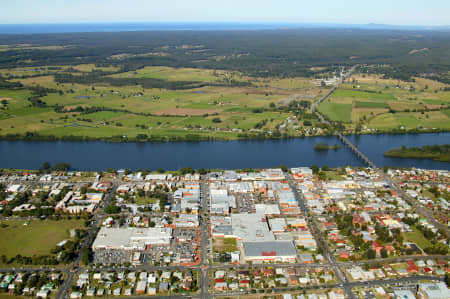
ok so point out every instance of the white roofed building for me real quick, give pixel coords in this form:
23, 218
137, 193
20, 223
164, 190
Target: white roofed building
131, 238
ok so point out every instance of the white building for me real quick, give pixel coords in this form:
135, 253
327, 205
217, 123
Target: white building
131, 238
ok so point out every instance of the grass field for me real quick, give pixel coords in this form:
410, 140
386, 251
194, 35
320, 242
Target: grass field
411, 120
446, 112
334, 175
36, 238
145, 201
357, 94
359, 104
336, 111
416, 237
435, 102
374, 98
179, 74
224, 245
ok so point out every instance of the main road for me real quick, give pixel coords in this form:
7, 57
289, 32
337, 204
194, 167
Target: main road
63, 291
204, 235
322, 243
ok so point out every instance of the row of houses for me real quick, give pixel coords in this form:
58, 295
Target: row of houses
92, 284
231, 280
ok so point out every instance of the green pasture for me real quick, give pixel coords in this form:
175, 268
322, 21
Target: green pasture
335, 111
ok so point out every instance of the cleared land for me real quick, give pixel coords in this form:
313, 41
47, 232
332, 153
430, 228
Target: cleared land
386, 104
36, 238
418, 238
223, 105
224, 245
218, 109
336, 111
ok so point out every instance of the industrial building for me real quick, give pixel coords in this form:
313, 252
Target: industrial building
270, 251
131, 238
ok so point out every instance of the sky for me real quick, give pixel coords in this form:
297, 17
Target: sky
394, 12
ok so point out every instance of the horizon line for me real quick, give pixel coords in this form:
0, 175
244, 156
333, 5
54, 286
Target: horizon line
224, 22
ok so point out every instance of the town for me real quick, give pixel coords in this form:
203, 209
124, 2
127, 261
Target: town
290, 233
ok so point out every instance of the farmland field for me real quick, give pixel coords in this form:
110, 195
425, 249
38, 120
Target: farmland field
385, 104
337, 111
357, 94
359, 104
100, 110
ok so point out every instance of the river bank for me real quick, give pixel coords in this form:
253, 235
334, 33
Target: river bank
439, 153
199, 136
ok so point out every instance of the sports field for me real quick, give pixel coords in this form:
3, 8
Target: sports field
35, 238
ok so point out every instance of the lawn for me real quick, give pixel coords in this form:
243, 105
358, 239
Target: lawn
335, 111
145, 201
36, 238
416, 237
334, 175
398, 266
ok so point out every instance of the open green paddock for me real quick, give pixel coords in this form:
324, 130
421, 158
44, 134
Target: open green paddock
357, 94
336, 111
360, 104
437, 101
162, 101
411, 120
175, 74
446, 112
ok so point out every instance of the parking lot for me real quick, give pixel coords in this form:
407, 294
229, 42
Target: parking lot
108, 257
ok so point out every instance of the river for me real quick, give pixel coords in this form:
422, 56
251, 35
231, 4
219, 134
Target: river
215, 154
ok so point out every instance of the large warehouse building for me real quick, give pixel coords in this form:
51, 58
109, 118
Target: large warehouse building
131, 238
271, 251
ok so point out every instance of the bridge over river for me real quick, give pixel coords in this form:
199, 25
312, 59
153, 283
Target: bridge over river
355, 150
339, 135
342, 138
